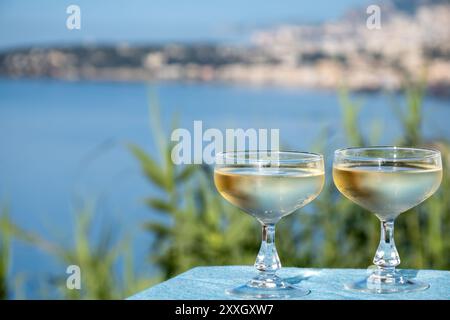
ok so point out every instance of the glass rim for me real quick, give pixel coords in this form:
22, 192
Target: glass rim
241, 155
429, 153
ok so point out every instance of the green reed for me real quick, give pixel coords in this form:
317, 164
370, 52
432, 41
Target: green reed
5, 252
98, 258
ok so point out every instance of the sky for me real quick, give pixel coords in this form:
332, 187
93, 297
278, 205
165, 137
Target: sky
43, 22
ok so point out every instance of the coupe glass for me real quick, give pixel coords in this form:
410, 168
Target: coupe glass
387, 181
268, 185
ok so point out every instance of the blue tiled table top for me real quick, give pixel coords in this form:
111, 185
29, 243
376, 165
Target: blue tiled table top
210, 283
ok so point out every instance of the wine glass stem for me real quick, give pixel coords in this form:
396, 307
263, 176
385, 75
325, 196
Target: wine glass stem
267, 261
386, 257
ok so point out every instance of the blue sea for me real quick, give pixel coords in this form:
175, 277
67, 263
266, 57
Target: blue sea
64, 143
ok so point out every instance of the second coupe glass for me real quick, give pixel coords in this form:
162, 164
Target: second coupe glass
387, 181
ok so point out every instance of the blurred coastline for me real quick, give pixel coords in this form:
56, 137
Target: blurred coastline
413, 44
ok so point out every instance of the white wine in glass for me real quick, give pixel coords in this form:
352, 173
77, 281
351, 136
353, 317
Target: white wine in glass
390, 189
268, 194
387, 181
268, 185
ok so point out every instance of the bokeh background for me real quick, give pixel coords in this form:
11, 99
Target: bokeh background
86, 117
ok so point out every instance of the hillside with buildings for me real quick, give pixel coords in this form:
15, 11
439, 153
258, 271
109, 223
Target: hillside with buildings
409, 45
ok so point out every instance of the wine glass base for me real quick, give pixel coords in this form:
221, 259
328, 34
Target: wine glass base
383, 285
274, 288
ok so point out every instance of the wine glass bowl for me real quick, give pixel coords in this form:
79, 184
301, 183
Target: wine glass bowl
387, 181
268, 185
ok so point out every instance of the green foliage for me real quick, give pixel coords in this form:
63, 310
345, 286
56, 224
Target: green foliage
5, 252
194, 227
200, 229
98, 260
350, 111
8, 231
410, 115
